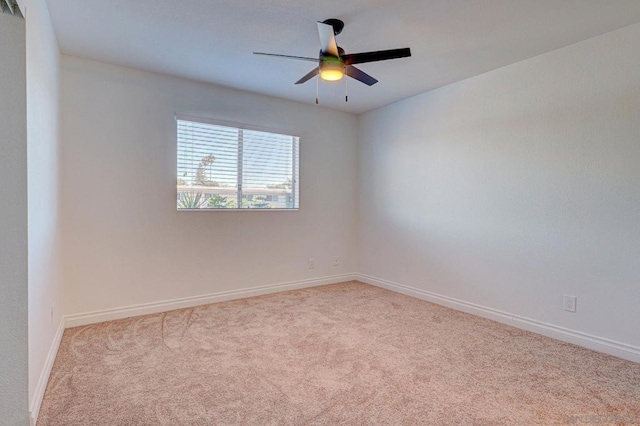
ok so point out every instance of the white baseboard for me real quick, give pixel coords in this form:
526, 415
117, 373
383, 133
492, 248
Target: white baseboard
38, 395
188, 302
600, 344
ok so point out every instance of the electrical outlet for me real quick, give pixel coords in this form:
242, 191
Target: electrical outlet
312, 263
336, 261
569, 303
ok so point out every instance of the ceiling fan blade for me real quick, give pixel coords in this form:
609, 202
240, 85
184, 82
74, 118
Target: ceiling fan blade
381, 55
360, 75
301, 58
327, 39
308, 76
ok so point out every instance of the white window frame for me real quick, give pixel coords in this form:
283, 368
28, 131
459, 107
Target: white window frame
295, 178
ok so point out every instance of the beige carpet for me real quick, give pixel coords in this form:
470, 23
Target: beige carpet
344, 354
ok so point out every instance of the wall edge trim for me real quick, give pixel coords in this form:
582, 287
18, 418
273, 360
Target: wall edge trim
41, 387
586, 340
86, 318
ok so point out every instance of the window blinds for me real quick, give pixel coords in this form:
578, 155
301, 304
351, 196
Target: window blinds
11, 6
225, 167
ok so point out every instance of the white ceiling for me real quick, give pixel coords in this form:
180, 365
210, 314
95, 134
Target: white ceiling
213, 41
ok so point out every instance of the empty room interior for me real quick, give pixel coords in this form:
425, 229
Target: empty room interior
320, 213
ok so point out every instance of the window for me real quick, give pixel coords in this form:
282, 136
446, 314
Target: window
222, 166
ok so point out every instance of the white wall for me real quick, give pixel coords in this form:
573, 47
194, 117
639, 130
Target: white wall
515, 187
45, 290
13, 223
124, 242
506, 190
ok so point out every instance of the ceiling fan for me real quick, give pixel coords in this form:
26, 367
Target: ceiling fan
334, 64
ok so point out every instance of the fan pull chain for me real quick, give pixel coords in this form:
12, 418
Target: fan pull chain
317, 84
346, 85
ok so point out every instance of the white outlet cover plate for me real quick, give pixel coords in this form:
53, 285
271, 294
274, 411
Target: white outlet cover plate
569, 303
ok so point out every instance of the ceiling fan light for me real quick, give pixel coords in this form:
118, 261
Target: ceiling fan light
332, 71
331, 75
